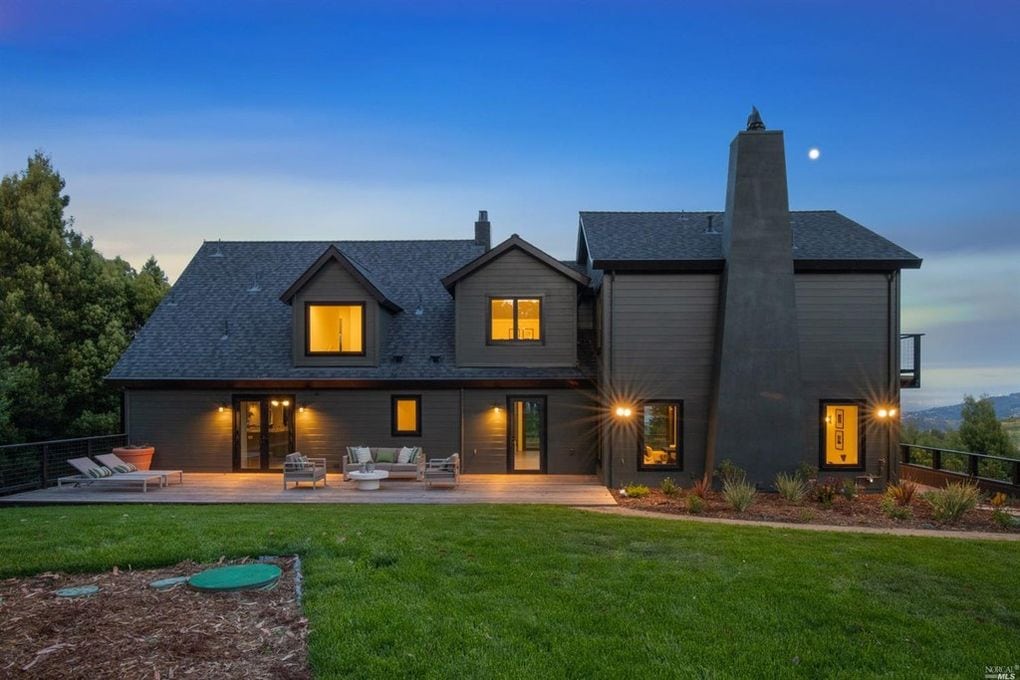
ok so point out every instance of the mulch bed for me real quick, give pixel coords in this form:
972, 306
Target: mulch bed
863, 511
130, 630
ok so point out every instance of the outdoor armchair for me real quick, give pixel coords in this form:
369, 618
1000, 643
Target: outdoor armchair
443, 471
300, 468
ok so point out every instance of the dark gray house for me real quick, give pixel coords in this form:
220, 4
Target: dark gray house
673, 341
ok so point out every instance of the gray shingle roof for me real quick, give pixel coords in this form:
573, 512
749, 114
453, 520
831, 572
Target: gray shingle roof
213, 327
818, 235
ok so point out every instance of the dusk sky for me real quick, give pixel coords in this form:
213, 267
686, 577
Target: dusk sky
175, 122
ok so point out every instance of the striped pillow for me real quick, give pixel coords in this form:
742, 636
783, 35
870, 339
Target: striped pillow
122, 468
100, 472
131, 467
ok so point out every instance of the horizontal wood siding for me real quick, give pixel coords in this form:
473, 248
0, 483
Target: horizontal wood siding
333, 283
516, 274
662, 343
185, 426
572, 430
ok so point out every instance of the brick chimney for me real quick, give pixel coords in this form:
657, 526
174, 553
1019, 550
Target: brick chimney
757, 413
483, 230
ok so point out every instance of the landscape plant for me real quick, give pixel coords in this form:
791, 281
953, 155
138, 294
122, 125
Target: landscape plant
953, 501
825, 491
695, 504
791, 488
700, 488
668, 487
729, 472
893, 509
1002, 516
848, 489
902, 493
633, 490
739, 493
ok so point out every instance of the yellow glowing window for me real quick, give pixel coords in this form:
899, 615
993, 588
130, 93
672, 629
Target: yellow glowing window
660, 440
336, 329
841, 424
407, 415
515, 319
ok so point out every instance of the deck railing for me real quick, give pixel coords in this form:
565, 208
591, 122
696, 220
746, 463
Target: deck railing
36, 465
991, 472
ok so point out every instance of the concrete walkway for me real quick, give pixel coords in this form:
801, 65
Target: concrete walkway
648, 514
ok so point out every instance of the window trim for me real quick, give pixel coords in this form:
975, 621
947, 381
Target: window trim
641, 465
336, 303
862, 429
416, 398
526, 343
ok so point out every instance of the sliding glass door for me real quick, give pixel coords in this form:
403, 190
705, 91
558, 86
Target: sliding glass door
526, 434
263, 432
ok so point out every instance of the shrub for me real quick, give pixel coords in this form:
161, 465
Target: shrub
902, 493
893, 509
998, 500
1004, 519
636, 490
848, 489
700, 488
739, 494
728, 472
669, 487
695, 504
825, 490
807, 472
791, 487
950, 503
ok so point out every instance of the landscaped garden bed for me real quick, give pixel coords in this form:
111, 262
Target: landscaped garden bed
850, 508
128, 629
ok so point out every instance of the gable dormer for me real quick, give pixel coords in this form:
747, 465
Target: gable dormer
339, 313
515, 306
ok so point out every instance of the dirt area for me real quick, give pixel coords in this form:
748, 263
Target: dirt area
863, 511
130, 630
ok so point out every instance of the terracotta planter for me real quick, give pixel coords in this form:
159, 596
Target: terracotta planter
140, 457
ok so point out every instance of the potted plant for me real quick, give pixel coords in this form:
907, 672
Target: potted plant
139, 455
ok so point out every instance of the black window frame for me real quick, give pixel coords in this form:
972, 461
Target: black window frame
336, 303
862, 429
516, 298
679, 466
417, 415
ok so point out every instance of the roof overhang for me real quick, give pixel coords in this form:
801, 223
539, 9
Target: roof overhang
346, 383
717, 265
334, 254
514, 242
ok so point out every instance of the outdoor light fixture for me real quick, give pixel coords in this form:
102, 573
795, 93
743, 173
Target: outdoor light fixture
275, 402
882, 413
623, 411
286, 402
495, 406
220, 408
301, 409
887, 412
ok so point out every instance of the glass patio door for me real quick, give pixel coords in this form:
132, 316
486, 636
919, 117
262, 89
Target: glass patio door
526, 432
263, 432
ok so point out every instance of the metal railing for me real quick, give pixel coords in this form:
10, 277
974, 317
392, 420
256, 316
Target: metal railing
910, 360
36, 465
994, 472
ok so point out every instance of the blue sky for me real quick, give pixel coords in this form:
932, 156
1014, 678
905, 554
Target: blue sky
175, 122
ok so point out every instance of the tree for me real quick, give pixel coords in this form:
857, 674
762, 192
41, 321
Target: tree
981, 431
66, 313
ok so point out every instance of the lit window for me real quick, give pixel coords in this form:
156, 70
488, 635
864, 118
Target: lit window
336, 329
515, 319
661, 436
407, 415
841, 441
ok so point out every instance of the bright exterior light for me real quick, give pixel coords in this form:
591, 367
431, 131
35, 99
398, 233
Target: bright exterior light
882, 413
301, 409
220, 408
286, 402
623, 411
814, 153
275, 402
892, 413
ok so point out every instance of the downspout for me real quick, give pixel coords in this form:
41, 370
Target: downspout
610, 382
891, 388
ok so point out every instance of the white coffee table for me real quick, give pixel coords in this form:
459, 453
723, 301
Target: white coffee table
368, 481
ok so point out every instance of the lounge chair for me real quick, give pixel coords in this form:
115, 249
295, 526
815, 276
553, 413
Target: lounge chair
94, 474
111, 461
300, 468
443, 471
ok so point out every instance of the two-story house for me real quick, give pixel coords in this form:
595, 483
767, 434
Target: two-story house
673, 341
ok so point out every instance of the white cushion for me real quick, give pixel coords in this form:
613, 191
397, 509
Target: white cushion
404, 456
362, 454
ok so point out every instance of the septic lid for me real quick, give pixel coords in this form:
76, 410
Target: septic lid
168, 583
78, 591
236, 577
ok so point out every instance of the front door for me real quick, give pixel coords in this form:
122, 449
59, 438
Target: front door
526, 434
263, 432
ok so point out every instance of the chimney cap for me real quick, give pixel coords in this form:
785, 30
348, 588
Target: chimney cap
754, 121
483, 215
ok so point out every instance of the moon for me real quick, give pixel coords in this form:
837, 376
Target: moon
813, 153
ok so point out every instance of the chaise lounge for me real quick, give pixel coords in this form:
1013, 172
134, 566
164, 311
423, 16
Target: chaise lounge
111, 461
387, 458
99, 474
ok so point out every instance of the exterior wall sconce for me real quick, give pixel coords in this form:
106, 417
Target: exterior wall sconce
623, 412
221, 407
301, 409
286, 402
495, 406
886, 412
275, 402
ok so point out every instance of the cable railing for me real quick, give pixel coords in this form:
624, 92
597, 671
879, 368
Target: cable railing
36, 465
950, 463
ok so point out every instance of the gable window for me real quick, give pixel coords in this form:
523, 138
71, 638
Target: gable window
842, 436
515, 319
406, 416
661, 436
335, 328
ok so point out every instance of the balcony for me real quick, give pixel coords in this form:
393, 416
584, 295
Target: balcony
910, 360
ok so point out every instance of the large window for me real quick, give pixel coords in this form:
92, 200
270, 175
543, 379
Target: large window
335, 328
406, 420
842, 439
515, 319
661, 436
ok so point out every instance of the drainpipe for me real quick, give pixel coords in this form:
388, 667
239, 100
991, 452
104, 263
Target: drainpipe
893, 368
611, 382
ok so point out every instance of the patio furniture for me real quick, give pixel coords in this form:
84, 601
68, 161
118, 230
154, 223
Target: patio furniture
443, 471
94, 474
386, 458
113, 461
300, 468
368, 481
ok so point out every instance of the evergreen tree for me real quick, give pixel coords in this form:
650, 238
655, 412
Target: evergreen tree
981, 430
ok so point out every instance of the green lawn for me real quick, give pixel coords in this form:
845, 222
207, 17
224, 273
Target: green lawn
500, 591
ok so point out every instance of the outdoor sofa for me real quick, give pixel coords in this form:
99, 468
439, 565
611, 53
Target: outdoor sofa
90, 473
298, 467
387, 458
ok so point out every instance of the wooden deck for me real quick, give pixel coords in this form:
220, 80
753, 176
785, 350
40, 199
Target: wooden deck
199, 487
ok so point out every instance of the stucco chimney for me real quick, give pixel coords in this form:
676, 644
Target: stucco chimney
483, 230
757, 413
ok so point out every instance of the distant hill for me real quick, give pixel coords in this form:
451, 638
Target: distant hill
944, 418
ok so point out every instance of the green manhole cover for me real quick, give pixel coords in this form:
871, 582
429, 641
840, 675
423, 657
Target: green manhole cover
168, 583
236, 577
78, 591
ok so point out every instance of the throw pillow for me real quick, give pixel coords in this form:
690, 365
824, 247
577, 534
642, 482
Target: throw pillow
100, 472
131, 467
363, 454
384, 456
121, 468
404, 455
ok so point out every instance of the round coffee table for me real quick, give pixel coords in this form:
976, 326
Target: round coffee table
368, 481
